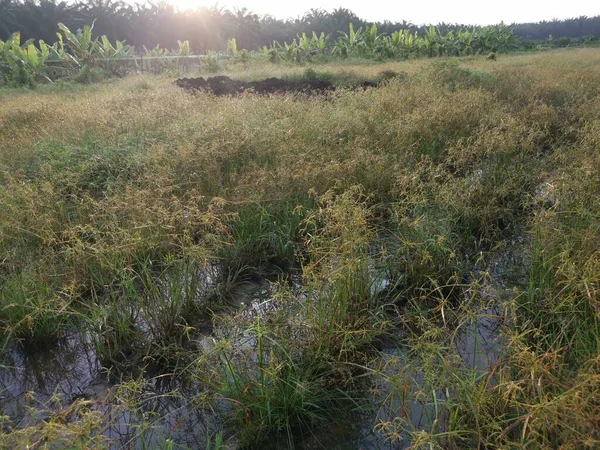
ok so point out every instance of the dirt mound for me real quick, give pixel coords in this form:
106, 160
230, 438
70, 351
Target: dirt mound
223, 85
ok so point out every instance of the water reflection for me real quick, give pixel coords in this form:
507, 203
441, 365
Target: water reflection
141, 416
69, 369
164, 407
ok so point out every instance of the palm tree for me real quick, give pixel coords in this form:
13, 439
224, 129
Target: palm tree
315, 20
341, 18
246, 28
9, 22
49, 13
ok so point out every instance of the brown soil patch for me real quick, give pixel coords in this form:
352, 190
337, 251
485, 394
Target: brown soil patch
223, 85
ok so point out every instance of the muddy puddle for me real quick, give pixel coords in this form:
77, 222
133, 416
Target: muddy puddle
480, 344
70, 371
37, 385
222, 85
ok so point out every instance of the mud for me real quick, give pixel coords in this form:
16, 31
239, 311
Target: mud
222, 85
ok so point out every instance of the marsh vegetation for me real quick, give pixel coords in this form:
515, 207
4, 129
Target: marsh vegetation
415, 265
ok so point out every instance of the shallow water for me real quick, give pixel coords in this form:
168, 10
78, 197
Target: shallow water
70, 370
480, 345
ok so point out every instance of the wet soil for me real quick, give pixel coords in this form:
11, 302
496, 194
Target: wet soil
72, 371
222, 85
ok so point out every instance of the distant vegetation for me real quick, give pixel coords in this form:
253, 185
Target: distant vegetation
418, 263
30, 52
85, 58
210, 28
80, 56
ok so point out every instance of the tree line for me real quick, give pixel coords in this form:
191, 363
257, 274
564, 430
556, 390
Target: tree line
211, 28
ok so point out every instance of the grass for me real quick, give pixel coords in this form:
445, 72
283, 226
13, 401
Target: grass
278, 396
389, 226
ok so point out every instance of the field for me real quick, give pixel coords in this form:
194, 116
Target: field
412, 265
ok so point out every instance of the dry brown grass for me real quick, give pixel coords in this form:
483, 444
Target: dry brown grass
456, 160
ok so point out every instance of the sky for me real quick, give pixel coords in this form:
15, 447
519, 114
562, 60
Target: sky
476, 12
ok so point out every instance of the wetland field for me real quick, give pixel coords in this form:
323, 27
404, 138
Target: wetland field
405, 256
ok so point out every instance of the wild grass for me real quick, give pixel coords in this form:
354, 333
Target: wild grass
463, 192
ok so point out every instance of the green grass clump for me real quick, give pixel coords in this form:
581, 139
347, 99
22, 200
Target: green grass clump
31, 310
278, 398
264, 239
452, 76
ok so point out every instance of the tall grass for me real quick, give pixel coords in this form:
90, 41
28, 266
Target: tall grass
459, 193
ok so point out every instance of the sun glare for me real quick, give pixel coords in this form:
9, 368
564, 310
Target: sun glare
463, 11
183, 5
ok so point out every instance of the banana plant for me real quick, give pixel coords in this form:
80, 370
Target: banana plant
83, 50
431, 41
403, 42
62, 53
505, 38
465, 42
447, 44
153, 65
12, 68
274, 52
4, 67
371, 39
486, 40
319, 43
304, 43
232, 47
106, 52
349, 43
80, 44
104, 49
156, 51
184, 48
293, 51
411, 41
25, 63
396, 42
340, 48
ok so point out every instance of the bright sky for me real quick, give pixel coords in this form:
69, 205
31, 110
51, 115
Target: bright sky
479, 12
